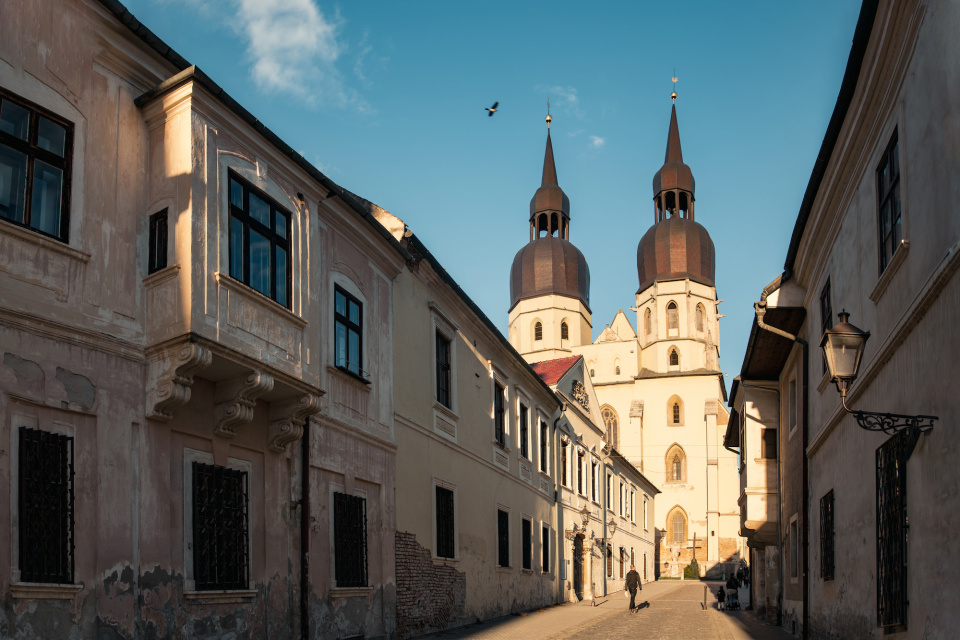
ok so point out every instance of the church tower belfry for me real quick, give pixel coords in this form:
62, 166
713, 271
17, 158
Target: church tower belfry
549, 280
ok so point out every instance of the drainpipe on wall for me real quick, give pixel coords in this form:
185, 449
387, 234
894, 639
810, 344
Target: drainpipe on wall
305, 532
558, 505
761, 308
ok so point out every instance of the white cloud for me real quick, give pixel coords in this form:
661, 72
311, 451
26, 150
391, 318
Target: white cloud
596, 142
294, 48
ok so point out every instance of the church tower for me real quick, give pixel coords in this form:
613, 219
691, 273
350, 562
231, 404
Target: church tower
549, 281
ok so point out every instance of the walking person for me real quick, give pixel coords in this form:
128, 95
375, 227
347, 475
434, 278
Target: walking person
721, 599
633, 585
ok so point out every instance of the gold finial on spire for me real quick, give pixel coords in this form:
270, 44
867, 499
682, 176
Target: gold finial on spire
673, 96
548, 118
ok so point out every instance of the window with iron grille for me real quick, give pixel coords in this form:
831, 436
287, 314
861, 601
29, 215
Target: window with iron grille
524, 431
350, 540
543, 446
503, 538
259, 241
348, 332
446, 537
526, 537
36, 148
46, 499
892, 531
888, 197
443, 370
499, 414
769, 444
538, 331
826, 536
545, 549
826, 316
157, 256
220, 530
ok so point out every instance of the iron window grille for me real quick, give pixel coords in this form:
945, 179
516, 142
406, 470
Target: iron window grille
674, 360
499, 411
826, 316
220, 528
36, 149
446, 540
443, 371
503, 538
545, 549
259, 241
46, 507
538, 331
892, 531
888, 197
526, 536
524, 432
543, 446
350, 540
348, 333
826, 536
157, 257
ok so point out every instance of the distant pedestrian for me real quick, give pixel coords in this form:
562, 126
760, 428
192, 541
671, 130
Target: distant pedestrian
633, 585
721, 599
739, 576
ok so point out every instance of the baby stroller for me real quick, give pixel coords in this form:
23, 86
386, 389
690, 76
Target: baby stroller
733, 600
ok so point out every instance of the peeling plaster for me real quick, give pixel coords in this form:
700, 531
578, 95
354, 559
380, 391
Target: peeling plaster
28, 373
79, 389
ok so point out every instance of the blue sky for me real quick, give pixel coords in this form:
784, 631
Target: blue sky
387, 98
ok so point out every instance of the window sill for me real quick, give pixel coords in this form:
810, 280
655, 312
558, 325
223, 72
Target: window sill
501, 446
446, 411
33, 237
157, 277
255, 297
350, 592
823, 382
350, 376
439, 561
526, 572
227, 596
504, 569
44, 590
884, 281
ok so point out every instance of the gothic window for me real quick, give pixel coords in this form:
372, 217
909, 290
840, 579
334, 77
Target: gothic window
675, 471
675, 411
676, 527
616, 367
564, 331
888, 197
612, 423
699, 317
647, 322
538, 331
674, 358
676, 461
673, 318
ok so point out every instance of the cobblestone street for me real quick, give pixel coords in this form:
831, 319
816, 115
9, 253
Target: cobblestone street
669, 610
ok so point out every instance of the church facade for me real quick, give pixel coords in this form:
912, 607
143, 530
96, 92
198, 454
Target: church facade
659, 385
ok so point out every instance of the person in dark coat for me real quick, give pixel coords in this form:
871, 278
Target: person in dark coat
633, 585
721, 599
740, 576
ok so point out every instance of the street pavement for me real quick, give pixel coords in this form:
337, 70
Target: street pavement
669, 609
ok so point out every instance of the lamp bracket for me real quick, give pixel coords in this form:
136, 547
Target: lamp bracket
891, 423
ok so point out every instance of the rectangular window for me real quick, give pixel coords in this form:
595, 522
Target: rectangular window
609, 561
446, 540
609, 492
633, 506
794, 556
524, 432
503, 538
157, 257
543, 447
769, 444
580, 472
36, 147
545, 549
593, 481
644, 512
892, 531
46, 499
348, 332
888, 198
621, 561
826, 536
526, 536
220, 529
563, 464
792, 403
826, 316
350, 540
499, 414
443, 371
259, 241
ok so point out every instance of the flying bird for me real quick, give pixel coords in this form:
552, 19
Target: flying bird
493, 109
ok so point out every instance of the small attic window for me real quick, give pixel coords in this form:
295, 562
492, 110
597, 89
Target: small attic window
538, 331
564, 331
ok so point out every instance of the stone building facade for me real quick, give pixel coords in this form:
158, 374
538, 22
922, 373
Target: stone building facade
862, 511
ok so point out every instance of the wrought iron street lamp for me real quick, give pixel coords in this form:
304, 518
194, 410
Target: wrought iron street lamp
842, 350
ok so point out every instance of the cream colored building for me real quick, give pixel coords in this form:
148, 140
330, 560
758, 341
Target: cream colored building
865, 520
661, 392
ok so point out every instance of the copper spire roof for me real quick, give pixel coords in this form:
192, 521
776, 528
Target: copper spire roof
549, 197
674, 174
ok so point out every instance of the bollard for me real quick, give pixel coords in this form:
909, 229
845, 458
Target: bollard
704, 597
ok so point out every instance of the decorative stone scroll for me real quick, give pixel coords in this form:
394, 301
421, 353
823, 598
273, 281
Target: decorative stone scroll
236, 399
171, 378
287, 419
580, 395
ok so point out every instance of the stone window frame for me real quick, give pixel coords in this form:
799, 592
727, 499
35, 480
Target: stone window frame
190, 456
33, 152
646, 520
673, 328
442, 325
564, 330
594, 479
671, 414
612, 435
544, 452
674, 451
449, 486
673, 353
502, 381
700, 318
529, 549
891, 157
522, 399
537, 330
546, 528
509, 556
345, 283
671, 534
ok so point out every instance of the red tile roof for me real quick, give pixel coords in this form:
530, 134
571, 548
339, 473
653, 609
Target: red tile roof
552, 370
